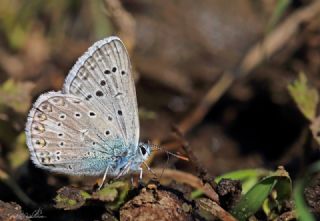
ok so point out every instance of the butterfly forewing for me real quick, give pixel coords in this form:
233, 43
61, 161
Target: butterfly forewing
103, 77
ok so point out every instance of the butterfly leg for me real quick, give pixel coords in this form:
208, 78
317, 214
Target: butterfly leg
104, 178
149, 169
141, 171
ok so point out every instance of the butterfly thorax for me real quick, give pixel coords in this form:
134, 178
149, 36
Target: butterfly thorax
131, 162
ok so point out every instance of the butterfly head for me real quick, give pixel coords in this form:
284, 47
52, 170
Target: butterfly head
144, 151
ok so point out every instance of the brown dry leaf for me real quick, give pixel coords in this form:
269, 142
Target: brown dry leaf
114, 193
70, 198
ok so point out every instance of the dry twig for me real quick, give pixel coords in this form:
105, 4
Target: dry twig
186, 178
215, 210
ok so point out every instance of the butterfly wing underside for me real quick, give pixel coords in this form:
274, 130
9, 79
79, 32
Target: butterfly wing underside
94, 119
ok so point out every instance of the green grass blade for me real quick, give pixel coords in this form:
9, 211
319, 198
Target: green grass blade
252, 201
301, 206
303, 212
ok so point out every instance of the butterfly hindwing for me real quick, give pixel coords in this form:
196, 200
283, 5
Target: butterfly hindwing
65, 134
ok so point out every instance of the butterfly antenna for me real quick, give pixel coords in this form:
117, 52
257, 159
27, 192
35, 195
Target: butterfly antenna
162, 172
169, 153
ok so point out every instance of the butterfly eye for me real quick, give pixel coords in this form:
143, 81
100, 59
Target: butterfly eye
143, 150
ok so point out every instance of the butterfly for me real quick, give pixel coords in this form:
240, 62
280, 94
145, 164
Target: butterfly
91, 127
